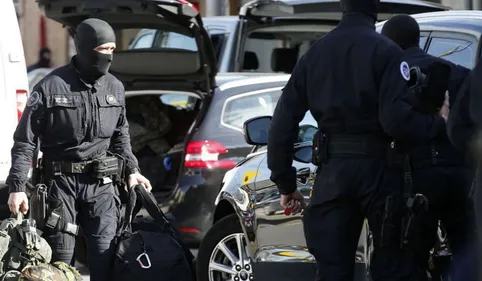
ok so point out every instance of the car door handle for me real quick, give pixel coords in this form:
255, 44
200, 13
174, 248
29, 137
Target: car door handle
303, 172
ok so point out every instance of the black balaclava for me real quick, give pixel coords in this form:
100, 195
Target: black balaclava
403, 30
367, 7
90, 34
44, 57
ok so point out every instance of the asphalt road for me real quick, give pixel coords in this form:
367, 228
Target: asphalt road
85, 272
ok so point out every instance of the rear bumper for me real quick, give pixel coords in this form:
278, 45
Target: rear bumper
194, 207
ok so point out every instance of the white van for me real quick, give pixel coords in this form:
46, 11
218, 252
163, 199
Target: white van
13, 86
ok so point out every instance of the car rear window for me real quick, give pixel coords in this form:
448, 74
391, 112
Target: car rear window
238, 109
154, 39
458, 51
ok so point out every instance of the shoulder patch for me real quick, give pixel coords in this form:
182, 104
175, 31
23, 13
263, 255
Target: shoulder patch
33, 99
405, 70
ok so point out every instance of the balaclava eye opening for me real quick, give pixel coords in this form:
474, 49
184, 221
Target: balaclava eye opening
90, 34
367, 7
403, 30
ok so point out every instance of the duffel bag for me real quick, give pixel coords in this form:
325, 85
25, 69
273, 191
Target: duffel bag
154, 251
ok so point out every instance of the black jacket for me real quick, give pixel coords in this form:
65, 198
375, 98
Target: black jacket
446, 153
353, 81
465, 116
73, 120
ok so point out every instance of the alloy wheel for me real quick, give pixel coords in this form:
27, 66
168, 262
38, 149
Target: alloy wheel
229, 261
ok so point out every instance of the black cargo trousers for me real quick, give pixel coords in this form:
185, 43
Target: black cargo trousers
95, 207
347, 190
447, 190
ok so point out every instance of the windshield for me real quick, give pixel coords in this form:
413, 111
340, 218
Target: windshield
153, 39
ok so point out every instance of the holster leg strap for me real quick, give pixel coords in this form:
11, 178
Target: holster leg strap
56, 222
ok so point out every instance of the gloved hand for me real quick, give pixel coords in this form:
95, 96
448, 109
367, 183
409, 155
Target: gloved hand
18, 201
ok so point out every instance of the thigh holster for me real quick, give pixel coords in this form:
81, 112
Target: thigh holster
56, 222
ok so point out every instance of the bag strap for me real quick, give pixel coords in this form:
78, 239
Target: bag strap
127, 223
150, 205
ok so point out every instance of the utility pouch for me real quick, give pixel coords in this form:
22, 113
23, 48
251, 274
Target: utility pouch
319, 149
38, 205
119, 178
105, 167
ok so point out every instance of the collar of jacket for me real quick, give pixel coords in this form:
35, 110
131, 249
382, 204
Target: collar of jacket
352, 19
413, 50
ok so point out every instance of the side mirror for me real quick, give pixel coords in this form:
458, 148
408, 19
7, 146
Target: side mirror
303, 154
256, 130
306, 133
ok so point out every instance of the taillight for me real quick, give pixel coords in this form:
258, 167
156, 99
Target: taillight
21, 102
205, 154
184, 2
188, 230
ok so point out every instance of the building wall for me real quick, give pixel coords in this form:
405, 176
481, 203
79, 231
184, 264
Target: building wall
455, 4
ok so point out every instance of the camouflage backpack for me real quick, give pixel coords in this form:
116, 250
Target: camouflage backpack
58, 271
21, 246
26, 246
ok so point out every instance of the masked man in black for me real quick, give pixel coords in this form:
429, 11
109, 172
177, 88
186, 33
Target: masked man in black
76, 113
354, 82
439, 170
464, 130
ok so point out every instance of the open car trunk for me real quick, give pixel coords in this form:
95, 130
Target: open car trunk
169, 68
166, 88
159, 123
276, 33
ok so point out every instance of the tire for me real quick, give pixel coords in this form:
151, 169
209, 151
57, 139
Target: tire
212, 263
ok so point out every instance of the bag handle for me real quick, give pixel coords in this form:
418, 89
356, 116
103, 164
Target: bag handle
150, 205
126, 224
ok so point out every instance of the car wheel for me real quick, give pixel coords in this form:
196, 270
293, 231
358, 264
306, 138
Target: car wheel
222, 254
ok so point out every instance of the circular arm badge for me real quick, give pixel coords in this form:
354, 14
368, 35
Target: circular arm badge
405, 70
33, 99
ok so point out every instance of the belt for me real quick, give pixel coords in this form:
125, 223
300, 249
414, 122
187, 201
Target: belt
355, 145
435, 155
64, 167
